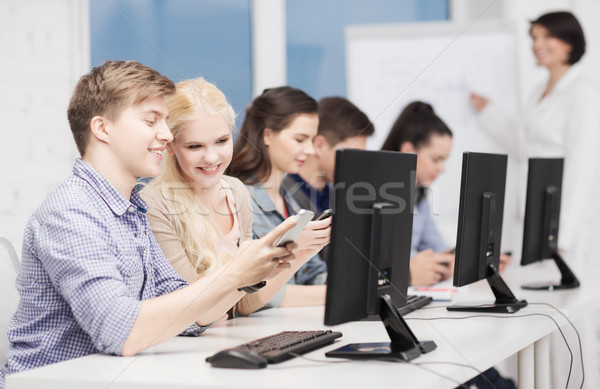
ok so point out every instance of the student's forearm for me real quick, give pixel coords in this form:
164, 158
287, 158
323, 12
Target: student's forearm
166, 316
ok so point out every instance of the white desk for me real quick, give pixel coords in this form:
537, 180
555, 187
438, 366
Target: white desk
480, 342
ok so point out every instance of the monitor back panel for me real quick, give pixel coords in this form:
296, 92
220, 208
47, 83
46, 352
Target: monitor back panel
481, 173
363, 178
543, 173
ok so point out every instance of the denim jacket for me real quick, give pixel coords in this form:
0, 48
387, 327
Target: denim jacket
266, 217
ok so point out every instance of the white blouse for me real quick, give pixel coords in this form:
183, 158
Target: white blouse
565, 123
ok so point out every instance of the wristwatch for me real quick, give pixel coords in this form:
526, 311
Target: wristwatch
253, 288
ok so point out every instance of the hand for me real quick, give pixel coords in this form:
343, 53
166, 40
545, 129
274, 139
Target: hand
478, 102
505, 260
315, 236
258, 260
428, 267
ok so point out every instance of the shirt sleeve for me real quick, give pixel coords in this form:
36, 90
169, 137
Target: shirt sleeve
78, 252
167, 280
194, 330
431, 238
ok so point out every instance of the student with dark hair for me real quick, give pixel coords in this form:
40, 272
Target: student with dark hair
93, 279
276, 139
341, 125
419, 130
561, 119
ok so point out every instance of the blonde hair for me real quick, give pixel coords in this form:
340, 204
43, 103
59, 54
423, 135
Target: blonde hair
198, 234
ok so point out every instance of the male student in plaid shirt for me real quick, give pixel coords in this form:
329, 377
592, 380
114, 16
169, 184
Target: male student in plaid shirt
93, 279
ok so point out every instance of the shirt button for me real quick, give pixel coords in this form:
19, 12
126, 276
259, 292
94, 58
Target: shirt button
135, 234
131, 209
145, 232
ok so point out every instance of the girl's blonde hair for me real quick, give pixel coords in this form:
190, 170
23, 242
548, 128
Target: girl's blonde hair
198, 234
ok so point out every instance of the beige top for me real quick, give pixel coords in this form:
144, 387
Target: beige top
228, 243
160, 217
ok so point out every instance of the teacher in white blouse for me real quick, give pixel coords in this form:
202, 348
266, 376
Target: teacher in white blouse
561, 119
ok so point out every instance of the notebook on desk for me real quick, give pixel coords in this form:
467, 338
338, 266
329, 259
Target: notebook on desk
442, 291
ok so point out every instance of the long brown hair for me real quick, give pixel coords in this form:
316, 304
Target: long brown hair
275, 109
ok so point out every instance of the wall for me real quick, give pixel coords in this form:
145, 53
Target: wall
316, 56
45, 50
180, 38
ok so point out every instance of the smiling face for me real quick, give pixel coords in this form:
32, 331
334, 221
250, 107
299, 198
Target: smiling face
139, 136
549, 51
289, 148
431, 158
203, 148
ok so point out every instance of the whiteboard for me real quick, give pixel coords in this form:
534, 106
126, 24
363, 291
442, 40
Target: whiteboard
440, 63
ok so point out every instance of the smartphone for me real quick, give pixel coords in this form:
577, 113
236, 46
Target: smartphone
303, 216
325, 214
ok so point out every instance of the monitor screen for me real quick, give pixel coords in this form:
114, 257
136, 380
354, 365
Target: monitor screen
480, 229
542, 217
369, 253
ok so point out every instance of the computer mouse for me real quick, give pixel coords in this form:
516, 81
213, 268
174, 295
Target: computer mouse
237, 359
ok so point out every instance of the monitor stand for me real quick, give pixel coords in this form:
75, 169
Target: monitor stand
506, 302
567, 277
404, 344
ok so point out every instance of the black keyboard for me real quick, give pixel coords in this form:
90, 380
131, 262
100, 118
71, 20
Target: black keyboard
414, 302
273, 348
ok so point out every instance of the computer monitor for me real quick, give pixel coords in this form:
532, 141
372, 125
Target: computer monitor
479, 231
369, 254
542, 216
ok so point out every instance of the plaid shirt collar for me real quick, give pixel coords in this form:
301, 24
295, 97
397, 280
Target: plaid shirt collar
115, 200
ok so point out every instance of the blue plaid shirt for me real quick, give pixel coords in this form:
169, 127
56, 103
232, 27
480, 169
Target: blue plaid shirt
89, 258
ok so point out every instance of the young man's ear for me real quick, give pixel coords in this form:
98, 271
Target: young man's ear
170, 147
407, 147
320, 144
98, 127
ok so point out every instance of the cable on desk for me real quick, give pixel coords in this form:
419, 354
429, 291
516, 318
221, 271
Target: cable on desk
401, 292
578, 338
460, 385
499, 316
410, 363
302, 356
419, 364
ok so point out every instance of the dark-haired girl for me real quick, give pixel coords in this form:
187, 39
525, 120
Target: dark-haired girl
275, 139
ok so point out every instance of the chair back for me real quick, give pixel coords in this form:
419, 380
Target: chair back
9, 297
